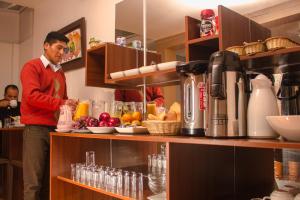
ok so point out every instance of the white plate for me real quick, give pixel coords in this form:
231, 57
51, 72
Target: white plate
63, 130
117, 75
81, 131
132, 72
101, 129
132, 130
167, 65
148, 69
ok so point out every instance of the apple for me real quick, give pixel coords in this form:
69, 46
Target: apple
104, 117
103, 124
110, 124
115, 121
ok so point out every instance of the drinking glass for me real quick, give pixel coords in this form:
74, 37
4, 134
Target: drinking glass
154, 160
151, 108
78, 171
159, 161
133, 185
129, 107
149, 161
126, 183
7, 122
119, 181
98, 107
140, 186
83, 174
164, 162
94, 179
116, 108
88, 177
90, 158
73, 171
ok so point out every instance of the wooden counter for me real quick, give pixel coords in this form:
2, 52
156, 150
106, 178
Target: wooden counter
11, 181
197, 168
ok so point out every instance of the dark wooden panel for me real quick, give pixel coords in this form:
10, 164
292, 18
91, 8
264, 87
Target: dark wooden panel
15, 146
120, 58
131, 153
258, 32
17, 190
192, 28
201, 52
95, 69
152, 58
201, 172
234, 28
254, 172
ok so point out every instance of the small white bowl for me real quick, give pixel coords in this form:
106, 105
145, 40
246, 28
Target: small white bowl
287, 126
148, 69
117, 75
167, 65
132, 72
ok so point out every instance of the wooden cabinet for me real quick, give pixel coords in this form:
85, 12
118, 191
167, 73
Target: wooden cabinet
11, 170
234, 29
197, 168
108, 58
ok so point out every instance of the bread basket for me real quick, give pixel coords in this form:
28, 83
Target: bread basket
254, 47
237, 49
274, 43
156, 127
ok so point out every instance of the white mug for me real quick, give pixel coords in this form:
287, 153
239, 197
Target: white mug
13, 103
279, 195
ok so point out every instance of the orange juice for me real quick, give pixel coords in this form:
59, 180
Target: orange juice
81, 110
151, 108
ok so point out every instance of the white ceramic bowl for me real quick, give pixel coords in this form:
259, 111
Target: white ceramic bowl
132, 72
101, 129
117, 75
286, 126
167, 65
148, 69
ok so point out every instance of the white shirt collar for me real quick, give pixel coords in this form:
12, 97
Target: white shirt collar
46, 63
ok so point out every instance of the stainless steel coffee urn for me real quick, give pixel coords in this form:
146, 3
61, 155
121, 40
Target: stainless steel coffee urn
226, 96
193, 97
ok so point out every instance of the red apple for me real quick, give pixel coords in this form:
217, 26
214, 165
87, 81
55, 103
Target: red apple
103, 124
104, 117
110, 124
115, 121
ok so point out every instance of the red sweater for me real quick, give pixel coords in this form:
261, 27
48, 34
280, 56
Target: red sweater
153, 94
43, 93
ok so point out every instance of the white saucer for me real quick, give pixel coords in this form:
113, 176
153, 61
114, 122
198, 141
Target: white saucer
63, 130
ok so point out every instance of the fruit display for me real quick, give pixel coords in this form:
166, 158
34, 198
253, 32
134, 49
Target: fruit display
131, 119
104, 121
174, 114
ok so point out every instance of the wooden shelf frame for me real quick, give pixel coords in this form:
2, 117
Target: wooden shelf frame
111, 194
250, 143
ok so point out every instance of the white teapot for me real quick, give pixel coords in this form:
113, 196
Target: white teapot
262, 103
65, 118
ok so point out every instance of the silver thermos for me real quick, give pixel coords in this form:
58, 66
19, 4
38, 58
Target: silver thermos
226, 96
193, 97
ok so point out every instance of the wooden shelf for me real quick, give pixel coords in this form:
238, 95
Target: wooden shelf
163, 78
271, 53
205, 41
66, 180
252, 143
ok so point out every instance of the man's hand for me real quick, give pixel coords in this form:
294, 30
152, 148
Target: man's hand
72, 103
4, 103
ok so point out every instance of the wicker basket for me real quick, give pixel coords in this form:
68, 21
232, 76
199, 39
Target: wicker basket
156, 127
237, 49
274, 43
253, 47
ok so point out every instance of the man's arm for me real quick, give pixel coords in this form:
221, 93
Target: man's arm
4, 103
32, 93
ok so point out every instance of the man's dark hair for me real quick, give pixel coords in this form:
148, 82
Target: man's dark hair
55, 36
14, 87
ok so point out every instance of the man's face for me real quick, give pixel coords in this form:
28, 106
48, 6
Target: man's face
11, 94
55, 51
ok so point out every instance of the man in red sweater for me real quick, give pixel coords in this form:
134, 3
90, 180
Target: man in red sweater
44, 91
152, 94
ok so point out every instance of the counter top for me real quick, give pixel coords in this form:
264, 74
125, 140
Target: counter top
12, 129
255, 143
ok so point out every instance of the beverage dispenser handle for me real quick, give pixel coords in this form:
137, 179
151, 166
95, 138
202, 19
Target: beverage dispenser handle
217, 82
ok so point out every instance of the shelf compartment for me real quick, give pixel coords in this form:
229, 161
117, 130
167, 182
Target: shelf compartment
98, 190
252, 143
163, 78
205, 41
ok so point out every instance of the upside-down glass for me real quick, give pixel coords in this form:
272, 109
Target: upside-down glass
90, 158
73, 171
78, 171
140, 186
126, 183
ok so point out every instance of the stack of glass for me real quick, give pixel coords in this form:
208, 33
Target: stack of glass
110, 179
157, 165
